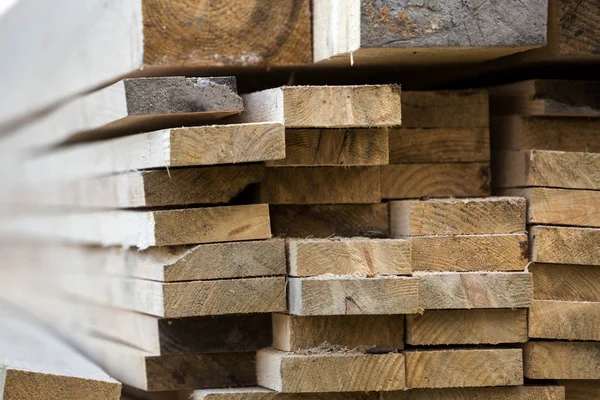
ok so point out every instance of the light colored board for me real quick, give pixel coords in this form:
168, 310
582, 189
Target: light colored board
457, 216
334, 147
564, 320
565, 282
234, 34
581, 389
109, 45
410, 181
464, 253
327, 220
481, 393
330, 372
320, 185
571, 170
325, 106
259, 393
293, 333
154, 188
178, 147
560, 206
467, 290
371, 33
443, 145
145, 228
456, 327
351, 295
565, 245
561, 360
463, 368
345, 256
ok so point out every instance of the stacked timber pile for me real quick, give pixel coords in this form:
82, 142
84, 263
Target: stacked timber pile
546, 137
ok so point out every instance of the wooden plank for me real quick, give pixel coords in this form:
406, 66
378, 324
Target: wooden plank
560, 206
565, 282
325, 106
463, 368
293, 333
322, 221
235, 34
564, 320
366, 32
350, 295
349, 256
154, 188
329, 372
179, 147
37, 364
481, 393
455, 327
466, 290
438, 145
581, 389
410, 181
561, 360
145, 228
565, 245
457, 216
570, 170
260, 393
334, 147
320, 185
464, 253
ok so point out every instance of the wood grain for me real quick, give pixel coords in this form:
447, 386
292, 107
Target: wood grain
581, 389
260, 393
564, 320
565, 245
565, 282
561, 360
456, 327
344, 256
457, 216
481, 393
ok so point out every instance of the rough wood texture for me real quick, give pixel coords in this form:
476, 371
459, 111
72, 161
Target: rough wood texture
560, 206
564, 320
410, 181
323, 221
260, 393
438, 145
341, 372
463, 368
293, 333
481, 393
366, 257
350, 295
233, 33
475, 290
561, 360
571, 170
445, 109
464, 253
566, 282
325, 106
466, 327
564, 245
334, 147
457, 216
320, 185
581, 389
145, 228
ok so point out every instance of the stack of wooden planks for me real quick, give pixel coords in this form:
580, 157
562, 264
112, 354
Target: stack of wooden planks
546, 136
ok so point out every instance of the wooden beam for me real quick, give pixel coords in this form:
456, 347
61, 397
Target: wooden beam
350, 295
456, 327
371, 33
561, 360
330, 372
494, 215
260, 393
325, 106
293, 333
565, 245
463, 368
438, 145
410, 181
334, 147
564, 320
145, 228
320, 185
581, 389
481, 393
565, 282
466, 290
323, 221
349, 256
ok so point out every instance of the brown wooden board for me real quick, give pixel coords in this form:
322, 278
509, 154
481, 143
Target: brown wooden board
565, 245
561, 360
